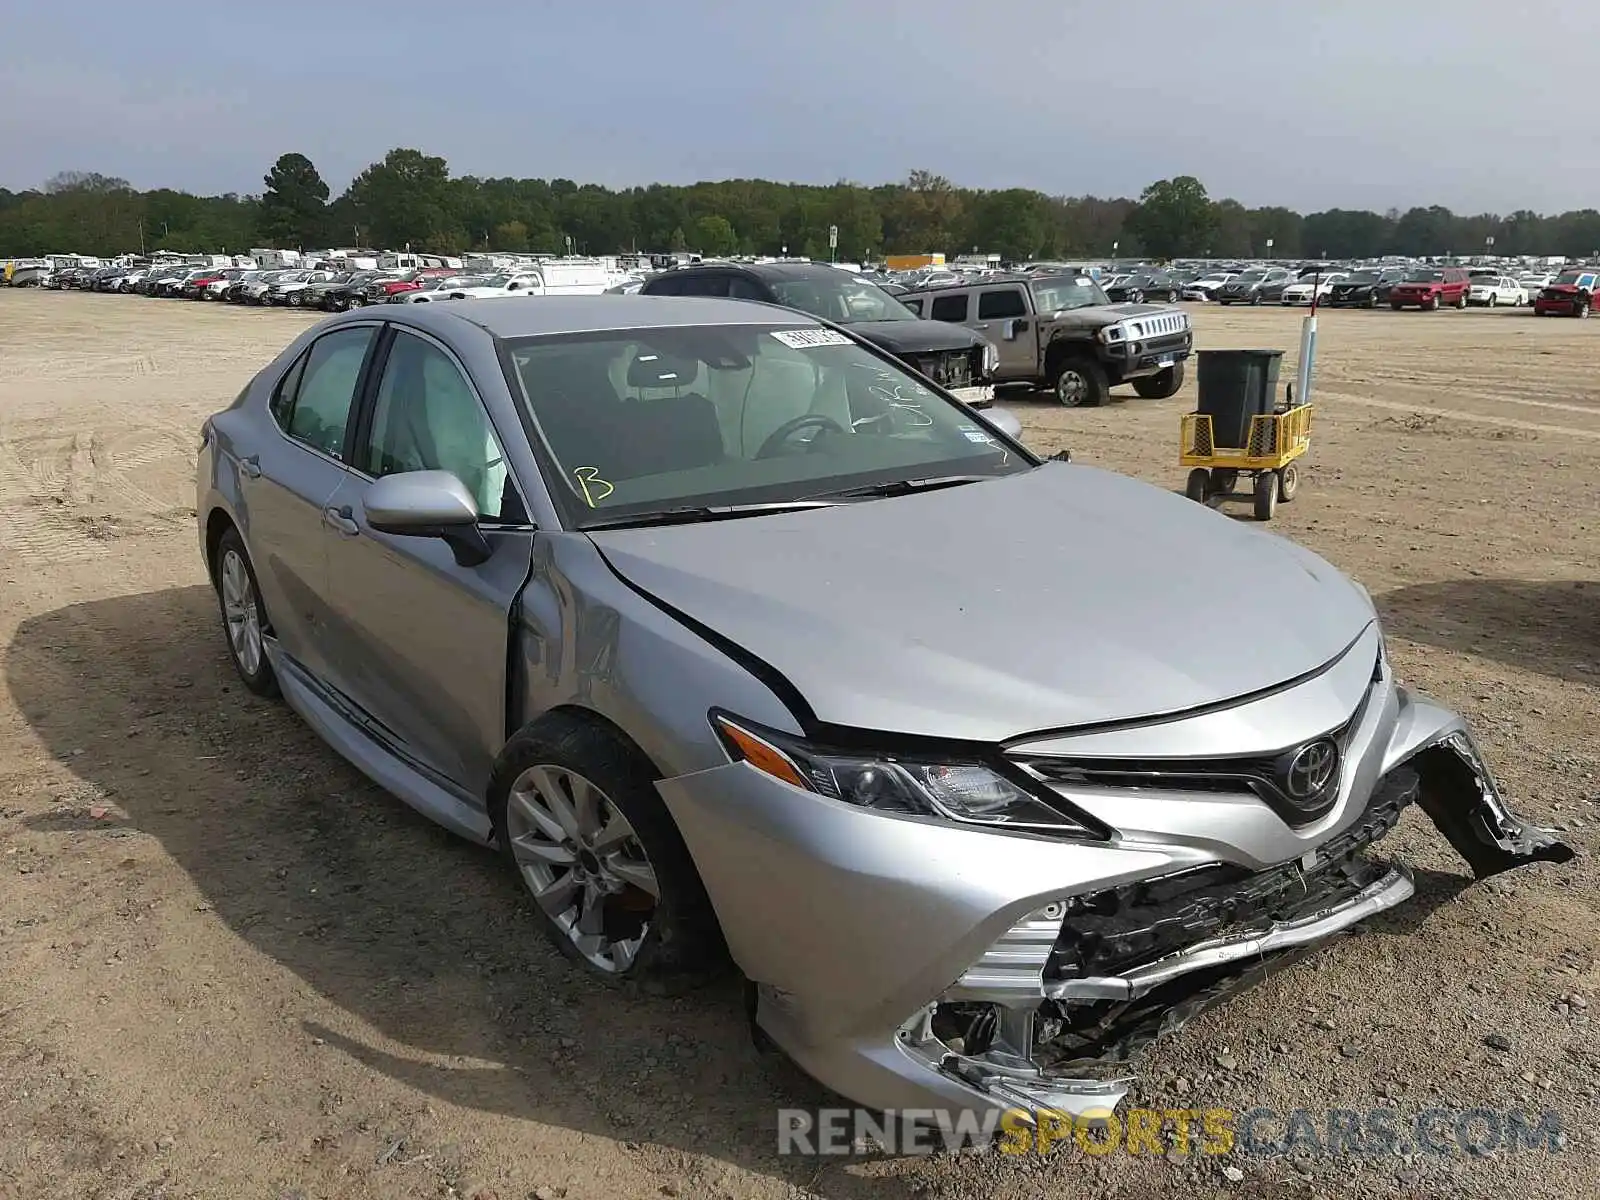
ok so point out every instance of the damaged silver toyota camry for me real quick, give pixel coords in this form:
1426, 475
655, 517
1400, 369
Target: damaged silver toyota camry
739, 639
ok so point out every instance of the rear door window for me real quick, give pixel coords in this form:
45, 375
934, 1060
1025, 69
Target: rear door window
950, 308
318, 413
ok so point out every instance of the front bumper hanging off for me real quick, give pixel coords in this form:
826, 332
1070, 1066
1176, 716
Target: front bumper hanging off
910, 966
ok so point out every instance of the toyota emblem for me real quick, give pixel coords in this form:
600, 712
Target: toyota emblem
1311, 770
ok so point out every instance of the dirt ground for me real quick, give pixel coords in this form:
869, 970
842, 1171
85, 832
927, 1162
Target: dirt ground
231, 967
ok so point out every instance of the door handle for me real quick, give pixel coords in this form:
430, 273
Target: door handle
341, 520
250, 467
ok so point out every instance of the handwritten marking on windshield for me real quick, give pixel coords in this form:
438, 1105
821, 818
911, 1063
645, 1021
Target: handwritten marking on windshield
588, 479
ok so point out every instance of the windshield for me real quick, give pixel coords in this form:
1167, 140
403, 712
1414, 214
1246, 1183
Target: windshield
1364, 277
640, 421
1249, 277
843, 300
1570, 276
1057, 295
1425, 277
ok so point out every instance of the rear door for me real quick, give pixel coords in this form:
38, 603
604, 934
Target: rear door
423, 640
287, 486
1004, 308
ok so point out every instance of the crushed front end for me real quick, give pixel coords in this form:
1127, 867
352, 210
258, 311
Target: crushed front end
913, 965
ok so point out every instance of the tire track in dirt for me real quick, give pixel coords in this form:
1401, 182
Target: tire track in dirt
1458, 414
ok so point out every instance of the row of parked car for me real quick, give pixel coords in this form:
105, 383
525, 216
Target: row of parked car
1571, 293
325, 289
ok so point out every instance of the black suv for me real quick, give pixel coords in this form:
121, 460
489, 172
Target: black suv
958, 360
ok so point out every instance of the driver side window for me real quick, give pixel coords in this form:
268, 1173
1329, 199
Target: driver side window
428, 418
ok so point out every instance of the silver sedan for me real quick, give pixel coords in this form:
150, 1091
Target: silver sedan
739, 640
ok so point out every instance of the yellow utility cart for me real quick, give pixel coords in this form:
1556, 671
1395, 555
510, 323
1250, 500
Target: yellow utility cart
1276, 440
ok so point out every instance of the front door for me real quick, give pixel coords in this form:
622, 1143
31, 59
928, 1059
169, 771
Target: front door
287, 485
998, 308
423, 640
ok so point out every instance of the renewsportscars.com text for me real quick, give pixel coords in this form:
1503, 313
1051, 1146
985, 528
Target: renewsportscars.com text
1259, 1132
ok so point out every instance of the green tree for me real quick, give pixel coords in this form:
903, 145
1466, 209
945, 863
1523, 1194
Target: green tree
714, 235
513, 235
1175, 216
405, 199
294, 206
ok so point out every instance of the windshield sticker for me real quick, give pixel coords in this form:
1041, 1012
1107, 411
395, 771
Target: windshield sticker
805, 339
977, 436
589, 480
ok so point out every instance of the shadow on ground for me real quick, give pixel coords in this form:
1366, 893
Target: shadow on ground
1551, 627
419, 935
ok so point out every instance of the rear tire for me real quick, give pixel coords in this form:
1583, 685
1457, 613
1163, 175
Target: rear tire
679, 943
1198, 487
1462, 302
244, 615
1161, 385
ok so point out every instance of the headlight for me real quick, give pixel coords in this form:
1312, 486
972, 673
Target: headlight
1112, 333
969, 793
991, 358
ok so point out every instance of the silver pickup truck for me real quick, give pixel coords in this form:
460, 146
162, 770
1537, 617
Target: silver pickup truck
1061, 333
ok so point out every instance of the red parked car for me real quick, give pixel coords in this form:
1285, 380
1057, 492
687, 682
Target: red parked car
1569, 294
1431, 288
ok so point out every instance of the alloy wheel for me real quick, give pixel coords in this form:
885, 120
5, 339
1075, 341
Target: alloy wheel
240, 611
1071, 388
584, 864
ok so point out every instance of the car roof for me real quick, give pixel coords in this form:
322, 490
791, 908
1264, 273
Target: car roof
534, 316
780, 270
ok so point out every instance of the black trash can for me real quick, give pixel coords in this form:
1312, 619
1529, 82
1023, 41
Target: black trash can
1234, 386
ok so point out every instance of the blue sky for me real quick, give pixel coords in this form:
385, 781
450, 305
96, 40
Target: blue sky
1359, 103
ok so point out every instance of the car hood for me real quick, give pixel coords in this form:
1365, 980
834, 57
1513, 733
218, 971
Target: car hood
1242, 285
1094, 316
1062, 597
1565, 289
916, 337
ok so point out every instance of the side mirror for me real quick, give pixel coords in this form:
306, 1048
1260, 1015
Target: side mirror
1006, 422
428, 504
1012, 327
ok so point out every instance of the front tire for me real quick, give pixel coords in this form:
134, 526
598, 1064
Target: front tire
577, 816
1080, 383
1266, 495
1160, 385
244, 616
1288, 482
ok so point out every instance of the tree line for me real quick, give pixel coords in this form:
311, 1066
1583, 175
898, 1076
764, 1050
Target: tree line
410, 199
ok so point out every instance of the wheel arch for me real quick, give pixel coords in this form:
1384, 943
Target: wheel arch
218, 522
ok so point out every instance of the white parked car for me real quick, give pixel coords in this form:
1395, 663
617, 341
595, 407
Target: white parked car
480, 287
1206, 286
1492, 290
1301, 291
1534, 284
